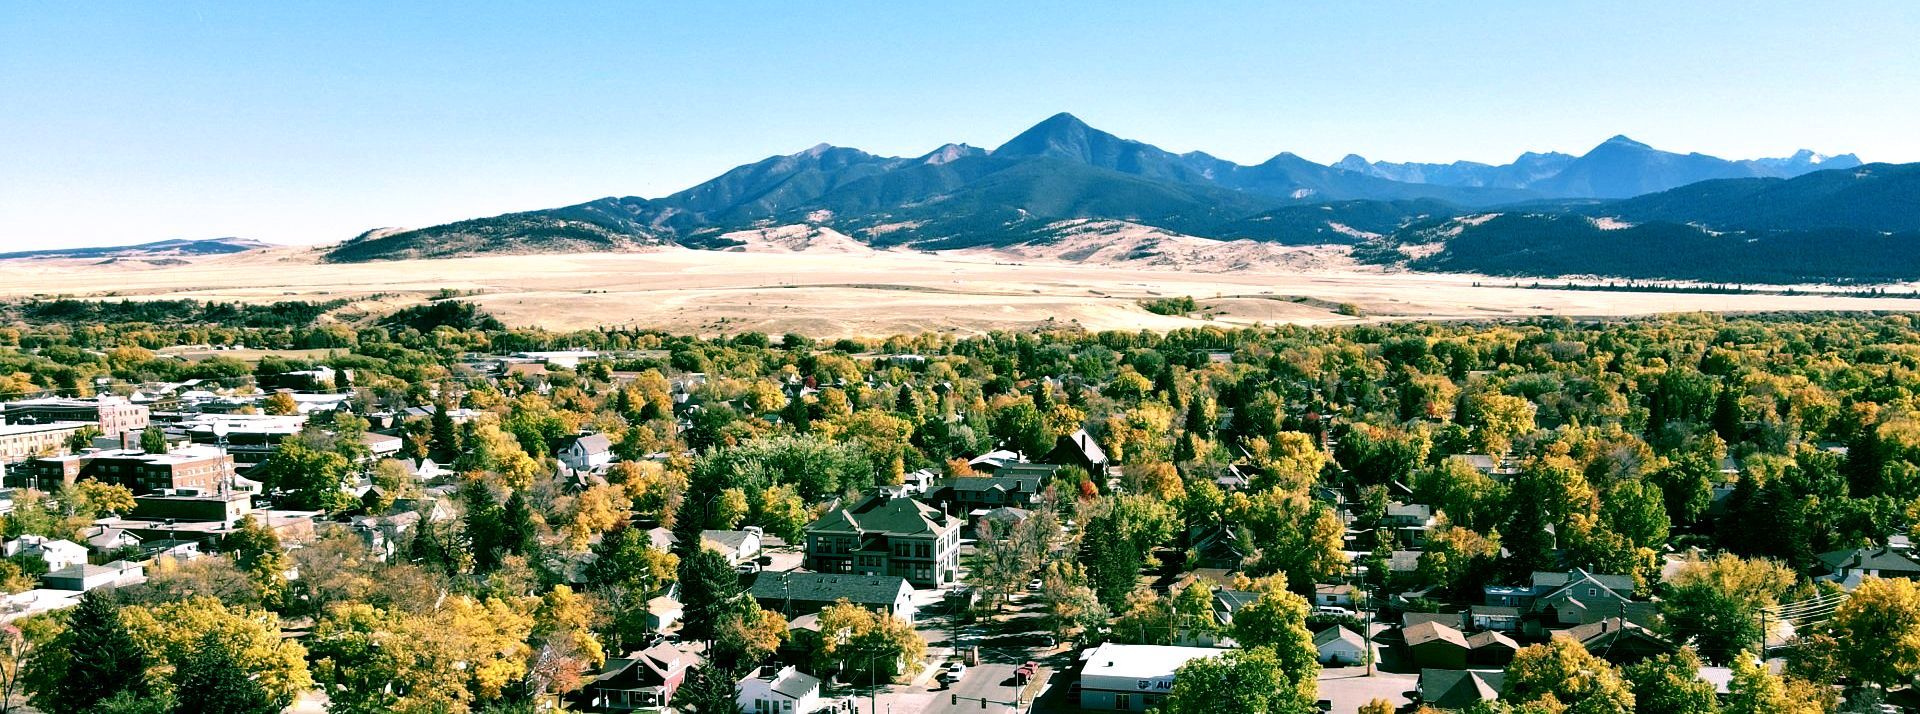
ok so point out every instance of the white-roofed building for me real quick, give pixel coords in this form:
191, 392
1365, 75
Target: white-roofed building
1133, 677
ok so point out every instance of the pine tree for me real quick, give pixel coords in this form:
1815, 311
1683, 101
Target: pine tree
708, 689
518, 535
709, 589
94, 659
446, 438
212, 681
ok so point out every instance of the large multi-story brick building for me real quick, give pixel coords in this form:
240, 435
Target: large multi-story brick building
114, 415
193, 468
25, 441
882, 535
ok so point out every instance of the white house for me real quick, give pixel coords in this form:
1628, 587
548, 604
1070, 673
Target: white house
425, 469
587, 452
1133, 677
57, 553
739, 546
1340, 646
778, 691
108, 538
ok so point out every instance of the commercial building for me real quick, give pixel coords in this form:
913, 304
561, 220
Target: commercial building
1133, 677
24, 441
114, 415
201, 469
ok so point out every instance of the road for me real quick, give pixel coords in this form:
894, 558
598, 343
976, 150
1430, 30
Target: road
990, 681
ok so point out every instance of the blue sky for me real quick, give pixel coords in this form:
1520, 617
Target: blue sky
311, 121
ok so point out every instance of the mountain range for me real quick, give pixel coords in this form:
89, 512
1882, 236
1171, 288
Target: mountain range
154, 250
1062, 169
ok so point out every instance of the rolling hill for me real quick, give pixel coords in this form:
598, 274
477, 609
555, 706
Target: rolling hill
156, 249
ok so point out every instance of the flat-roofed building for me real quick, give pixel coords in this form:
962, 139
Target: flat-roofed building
114, 415
1133, 677
19, 442
202, 469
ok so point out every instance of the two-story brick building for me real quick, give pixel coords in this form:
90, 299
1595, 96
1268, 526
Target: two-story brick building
883, 535
114, 415
193, 468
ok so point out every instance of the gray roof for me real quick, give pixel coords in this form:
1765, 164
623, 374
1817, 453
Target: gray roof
595, 443
1460, 688
1009, 484
1549, 580
1885, 560
883, 590
731, 540
1338, 632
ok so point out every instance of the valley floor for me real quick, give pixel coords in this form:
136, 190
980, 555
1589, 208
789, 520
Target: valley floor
866, 292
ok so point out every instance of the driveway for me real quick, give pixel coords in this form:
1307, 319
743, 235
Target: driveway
1349, 688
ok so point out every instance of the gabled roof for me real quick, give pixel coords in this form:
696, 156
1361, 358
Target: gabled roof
1613, 630
882, 590
734, 541
786, 681
1459, 688
1885, 560
593, 443
1546, 582
1083, 442
1483, 640
1428, 632
1007, 484
1341, 634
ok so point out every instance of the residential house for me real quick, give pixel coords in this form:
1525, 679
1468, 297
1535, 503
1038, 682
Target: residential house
1847, 567
991, 461
1437, 646
107, 539
1410, 523
1575, 597
882, 535
641, 681
1459, 689
797, 593
1215, 545
1133, 677
1490, 649
1333, 595
1619, 641
1340, 647
587, 452
55, 552
1498, 618
1227, 602
740, 546
782, 690
967, 493
1080, 449
1498, 468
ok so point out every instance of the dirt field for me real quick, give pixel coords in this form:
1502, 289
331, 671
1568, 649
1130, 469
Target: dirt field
864, 292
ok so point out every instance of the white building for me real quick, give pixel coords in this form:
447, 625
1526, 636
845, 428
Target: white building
587, 452
778, 691
1133, 677
57, 553
1339, 646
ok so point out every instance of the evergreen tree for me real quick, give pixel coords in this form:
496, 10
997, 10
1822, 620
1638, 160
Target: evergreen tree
485, 525
708, 689
212, 681
709, 590
446, 439
518, 535
94, 659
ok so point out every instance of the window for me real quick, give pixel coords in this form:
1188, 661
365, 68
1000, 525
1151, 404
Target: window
1123, 702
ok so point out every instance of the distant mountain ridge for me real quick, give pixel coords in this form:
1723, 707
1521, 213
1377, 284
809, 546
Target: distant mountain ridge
1618, 168
1062, 170
155, 249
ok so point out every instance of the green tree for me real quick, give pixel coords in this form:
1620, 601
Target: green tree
709, 689
256, 549
153, 440
1252, 680
1671, 684
1715, 604
211, 681
93, 659
709, 590
1561, 676
311, 479
1880, 625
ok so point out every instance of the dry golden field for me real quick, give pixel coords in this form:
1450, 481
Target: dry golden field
841, 291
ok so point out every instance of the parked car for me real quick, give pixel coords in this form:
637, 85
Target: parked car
955, 672
1332, 611
1034, 585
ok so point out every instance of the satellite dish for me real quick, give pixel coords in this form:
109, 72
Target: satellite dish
220, 429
